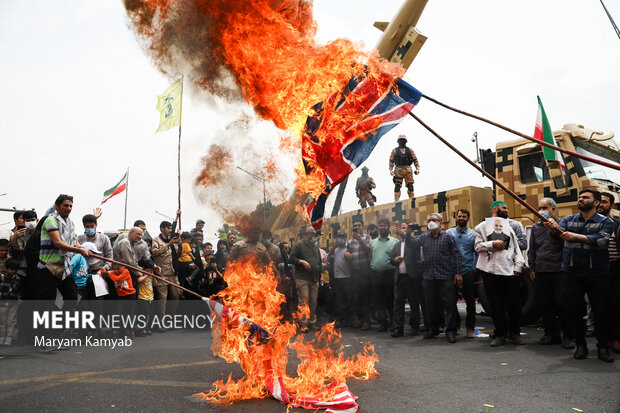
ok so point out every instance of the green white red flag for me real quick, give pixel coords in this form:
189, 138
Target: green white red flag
116, 189
544, 133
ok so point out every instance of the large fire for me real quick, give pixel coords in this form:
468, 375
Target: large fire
264, 51
269, 50
322, 365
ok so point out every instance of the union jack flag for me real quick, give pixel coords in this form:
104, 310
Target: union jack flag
346, 127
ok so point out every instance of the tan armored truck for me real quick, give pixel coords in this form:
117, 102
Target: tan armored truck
519, 165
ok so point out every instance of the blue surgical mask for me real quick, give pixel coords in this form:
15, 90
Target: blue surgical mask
89, 231
341, 241
544, 213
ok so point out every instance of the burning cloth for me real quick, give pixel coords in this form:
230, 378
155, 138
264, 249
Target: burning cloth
261, 347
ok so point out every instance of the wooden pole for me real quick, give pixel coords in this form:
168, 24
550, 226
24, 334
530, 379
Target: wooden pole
265, 334
126, 194
179, 152
543, 143
485, 173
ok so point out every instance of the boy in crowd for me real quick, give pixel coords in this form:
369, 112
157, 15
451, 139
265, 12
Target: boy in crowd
124, 289
9, 299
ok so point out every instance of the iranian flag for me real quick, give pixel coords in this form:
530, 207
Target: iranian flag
116, 189
543, 132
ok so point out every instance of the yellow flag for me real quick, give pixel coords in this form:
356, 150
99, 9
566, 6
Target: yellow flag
170, 105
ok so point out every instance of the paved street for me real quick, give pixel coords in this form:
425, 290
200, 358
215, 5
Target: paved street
160, 373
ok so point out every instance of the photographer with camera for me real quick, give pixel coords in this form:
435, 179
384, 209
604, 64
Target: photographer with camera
212, 282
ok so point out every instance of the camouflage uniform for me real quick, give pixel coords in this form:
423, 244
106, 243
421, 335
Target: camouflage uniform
365, 184
401, 159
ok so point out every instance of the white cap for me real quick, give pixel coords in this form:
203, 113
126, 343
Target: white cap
91, 247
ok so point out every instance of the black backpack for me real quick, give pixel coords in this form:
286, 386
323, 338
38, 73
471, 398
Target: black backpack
33, 245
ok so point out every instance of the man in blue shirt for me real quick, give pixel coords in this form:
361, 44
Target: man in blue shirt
465, 240
585, 270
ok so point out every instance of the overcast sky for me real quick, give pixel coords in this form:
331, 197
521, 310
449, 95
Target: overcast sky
80, 97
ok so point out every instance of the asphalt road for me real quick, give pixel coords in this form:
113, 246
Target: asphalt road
162, 372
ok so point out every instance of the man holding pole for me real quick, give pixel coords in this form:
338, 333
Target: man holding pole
585, 270
162, 255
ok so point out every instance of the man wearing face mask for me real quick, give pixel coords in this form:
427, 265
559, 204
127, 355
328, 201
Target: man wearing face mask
442, 264
272, 249
373, 231
341, 281
401, 159
306, 258
18, 244
545, 260
101, 241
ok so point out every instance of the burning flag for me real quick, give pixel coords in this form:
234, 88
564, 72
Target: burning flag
345, 128
263, 351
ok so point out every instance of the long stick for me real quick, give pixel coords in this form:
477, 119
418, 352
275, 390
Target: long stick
265, 334
543, 143
485, 173
179, 150
126, 194
179, 173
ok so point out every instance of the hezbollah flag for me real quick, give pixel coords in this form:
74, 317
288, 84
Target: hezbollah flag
116, 189
169, 105
543, 132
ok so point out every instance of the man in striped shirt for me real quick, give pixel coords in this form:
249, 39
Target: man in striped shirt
58, 240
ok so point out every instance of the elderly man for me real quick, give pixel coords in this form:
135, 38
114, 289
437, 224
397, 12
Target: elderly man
442, 263
500, 264
167, 295
125, 251
306, 257
545, 259
585, 270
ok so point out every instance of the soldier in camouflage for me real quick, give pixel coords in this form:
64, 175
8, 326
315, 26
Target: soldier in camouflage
401, 159
363, 187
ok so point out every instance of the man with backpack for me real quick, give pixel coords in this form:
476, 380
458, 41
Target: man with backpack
57, 240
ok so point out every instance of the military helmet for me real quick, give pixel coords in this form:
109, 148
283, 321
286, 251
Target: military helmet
401, 138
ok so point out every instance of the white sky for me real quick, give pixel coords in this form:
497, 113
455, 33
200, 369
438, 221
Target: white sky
80, 97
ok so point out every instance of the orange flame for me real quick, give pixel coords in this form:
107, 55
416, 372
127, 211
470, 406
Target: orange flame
252, 293
269, 49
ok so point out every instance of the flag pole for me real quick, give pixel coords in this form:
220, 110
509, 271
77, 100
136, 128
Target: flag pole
543, 143
126, 191
485, 173
179, 153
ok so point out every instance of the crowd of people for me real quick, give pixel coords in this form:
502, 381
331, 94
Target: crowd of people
365, 277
